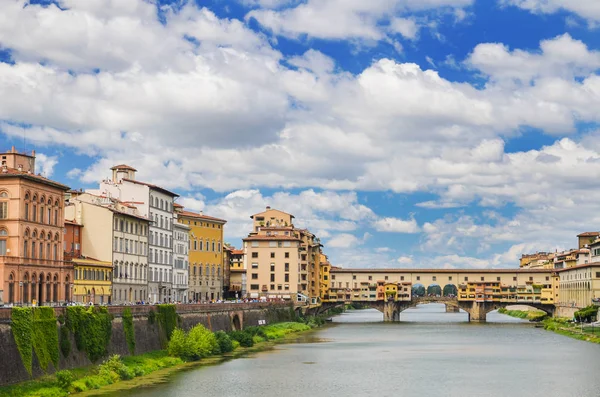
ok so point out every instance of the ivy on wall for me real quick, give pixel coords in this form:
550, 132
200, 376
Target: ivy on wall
34, 329
45, 337
65, 343
167, 319
92, 329
129, 330
22, 326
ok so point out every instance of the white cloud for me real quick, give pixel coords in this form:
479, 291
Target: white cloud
45, 164
343, 240
395, 225
405, 260
383, 249
587, 9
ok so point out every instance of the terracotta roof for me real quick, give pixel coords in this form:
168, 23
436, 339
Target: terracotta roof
123, 167
177, 205
161, 189
589, 234
278, 237
70, 222
593, 264
196, 215
237, 252
11, 173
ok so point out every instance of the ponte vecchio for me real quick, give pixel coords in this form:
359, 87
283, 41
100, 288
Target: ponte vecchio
476, 291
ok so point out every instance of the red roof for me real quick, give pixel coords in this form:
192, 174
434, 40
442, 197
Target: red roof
196, 215
123, 167
11, 173
237, 252
177, 205
589, 234
70, 222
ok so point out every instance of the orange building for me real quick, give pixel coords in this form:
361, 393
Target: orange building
31, 234
72, 242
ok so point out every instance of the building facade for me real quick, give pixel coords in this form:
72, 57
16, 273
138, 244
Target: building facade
32, 266
114, 232
93, 281
156, 204
205, 255
237, 274
181, 241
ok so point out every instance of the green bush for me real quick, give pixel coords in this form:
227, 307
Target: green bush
242, 337
235, 344
201, 343
224, 341
114, 364
64, 379
257, 339
177, 346
129, 330
587, 314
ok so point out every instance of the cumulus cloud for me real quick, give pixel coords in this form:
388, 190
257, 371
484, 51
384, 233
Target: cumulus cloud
45, 164
586, 9
395, 225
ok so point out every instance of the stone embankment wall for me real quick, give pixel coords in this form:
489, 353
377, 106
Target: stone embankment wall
148, 337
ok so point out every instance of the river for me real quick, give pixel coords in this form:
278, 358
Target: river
429, 353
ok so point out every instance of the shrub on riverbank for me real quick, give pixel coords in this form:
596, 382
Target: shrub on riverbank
526, 315
194, 345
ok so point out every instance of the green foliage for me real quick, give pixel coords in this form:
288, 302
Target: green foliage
587, 314
224, 341
531, 315
65, 342
167, 319
92, 328
196, 344
45, 337
235, 344
244, 338
177, 346
201, 343
22, 329
114, 365
129, 330
64, 379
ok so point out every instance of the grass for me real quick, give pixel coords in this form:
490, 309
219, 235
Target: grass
532, 315
572, 330
124, 373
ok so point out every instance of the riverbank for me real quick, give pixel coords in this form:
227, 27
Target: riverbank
124, 373
531, 315
573, 330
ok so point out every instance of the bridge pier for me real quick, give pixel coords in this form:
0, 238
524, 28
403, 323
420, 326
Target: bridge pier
452, 309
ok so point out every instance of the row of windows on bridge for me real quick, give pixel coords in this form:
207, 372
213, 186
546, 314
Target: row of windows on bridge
434, 278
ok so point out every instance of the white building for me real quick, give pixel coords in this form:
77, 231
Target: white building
156, 203
181, 243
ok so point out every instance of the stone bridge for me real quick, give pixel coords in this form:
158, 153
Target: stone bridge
477, 311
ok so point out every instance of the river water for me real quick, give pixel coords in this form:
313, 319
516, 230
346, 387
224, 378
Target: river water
429, 353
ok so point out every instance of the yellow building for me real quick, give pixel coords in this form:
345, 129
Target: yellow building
206, 270
324, 277
93, 279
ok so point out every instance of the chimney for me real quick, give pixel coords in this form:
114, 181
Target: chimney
12, 150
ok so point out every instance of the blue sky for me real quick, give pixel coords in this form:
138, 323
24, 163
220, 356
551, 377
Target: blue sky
405, 133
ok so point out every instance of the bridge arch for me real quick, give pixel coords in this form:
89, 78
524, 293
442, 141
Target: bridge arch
434, 290
450, 290
419, 290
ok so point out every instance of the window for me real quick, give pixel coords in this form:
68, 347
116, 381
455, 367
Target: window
272, 267
254, 276
255, 254
286, 278
401, 278
514, 279
287, 267
497, 278
254, 287
353, 277
254, 265
466, 278
3, 235
255, 243
482, 278
386, 277
272, 255
450, 278
597, 274
3, 209
530, 278
272, 278
26, 211
434, 278
287, 255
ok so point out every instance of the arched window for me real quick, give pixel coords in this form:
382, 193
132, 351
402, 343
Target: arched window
3, 237
3, 205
